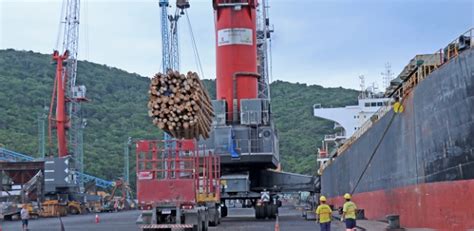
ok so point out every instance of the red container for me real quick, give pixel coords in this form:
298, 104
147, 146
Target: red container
236, 52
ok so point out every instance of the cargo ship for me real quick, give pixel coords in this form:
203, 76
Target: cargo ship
415, 160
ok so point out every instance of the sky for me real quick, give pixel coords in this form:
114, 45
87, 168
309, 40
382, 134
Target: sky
325, 42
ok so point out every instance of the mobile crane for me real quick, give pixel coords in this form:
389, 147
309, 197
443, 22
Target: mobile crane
243, 137
243, 132
64, 167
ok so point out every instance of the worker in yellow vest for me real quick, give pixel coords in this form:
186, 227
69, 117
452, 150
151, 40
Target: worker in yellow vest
349, 213
324, 214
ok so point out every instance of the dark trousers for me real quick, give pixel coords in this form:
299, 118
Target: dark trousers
325, 226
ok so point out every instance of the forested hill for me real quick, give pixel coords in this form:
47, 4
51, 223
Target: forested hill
117, 110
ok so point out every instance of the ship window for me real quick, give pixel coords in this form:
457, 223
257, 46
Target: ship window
355, 128
379, 104
373, 104
367, 104
365, 117
354, 117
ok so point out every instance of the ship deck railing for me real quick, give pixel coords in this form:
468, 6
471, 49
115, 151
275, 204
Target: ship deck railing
417, 73
365, 126
420, 68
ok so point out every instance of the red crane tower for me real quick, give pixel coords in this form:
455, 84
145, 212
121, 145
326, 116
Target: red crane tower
65, 107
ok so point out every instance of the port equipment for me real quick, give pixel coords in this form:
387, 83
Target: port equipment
178, 185
243, 132
12, 156
111, 203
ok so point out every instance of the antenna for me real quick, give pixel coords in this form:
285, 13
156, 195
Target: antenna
387, 76
362, 94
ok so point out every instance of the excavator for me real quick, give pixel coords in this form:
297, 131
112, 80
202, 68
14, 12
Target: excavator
113, 204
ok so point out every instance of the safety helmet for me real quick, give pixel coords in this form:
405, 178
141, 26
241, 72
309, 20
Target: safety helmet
347, 196
322, 198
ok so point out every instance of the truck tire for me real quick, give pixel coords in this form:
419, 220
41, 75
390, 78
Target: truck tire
213, 221
274, 211
269, 210
260, 212
224, 211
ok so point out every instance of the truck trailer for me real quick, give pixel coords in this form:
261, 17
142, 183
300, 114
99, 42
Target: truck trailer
178, 185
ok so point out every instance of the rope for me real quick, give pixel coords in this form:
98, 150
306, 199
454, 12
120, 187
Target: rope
373, 153
195, 50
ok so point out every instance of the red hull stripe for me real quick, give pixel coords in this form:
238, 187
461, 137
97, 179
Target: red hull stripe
445, 205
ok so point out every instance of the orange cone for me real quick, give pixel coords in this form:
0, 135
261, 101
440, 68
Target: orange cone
97, 219
277, 224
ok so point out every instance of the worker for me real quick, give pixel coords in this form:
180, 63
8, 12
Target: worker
349, 213
398, 106
24, 215
324, 214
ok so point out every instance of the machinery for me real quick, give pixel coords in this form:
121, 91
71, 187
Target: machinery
178, 185
111, 203
64, 173
244, 134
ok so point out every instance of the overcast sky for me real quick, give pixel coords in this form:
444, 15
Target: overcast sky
329, 42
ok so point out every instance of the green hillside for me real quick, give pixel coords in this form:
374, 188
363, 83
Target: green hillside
117, 110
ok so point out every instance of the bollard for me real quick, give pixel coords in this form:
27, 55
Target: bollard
97, 219
393, 222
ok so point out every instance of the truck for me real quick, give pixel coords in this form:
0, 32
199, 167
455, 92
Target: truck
178, 185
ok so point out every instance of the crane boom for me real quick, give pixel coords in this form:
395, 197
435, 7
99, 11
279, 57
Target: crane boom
165, 38
68, 95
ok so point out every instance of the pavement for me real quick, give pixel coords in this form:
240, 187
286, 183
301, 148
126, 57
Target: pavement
239, 219
243, 219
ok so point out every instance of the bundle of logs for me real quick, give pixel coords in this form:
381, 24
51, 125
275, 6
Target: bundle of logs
180, 105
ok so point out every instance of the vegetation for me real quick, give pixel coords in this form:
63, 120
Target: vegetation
117, 110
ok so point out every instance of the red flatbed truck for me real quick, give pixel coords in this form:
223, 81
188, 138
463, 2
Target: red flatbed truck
178, 185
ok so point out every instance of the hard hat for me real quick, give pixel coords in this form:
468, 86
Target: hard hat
322, 198
347, 196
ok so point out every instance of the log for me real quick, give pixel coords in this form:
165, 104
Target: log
180, 105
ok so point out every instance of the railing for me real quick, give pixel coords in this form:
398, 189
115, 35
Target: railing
464, 42
365, 126
179, 161
454, 48
339, 135
246, 146
8, 155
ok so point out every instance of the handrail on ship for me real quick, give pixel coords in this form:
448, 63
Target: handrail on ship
451, 51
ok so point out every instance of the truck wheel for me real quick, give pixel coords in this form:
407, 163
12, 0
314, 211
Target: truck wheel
259, 212
269, 210
224, 211
274, 211
213, 221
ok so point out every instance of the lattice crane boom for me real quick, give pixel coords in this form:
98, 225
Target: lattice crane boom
67, 96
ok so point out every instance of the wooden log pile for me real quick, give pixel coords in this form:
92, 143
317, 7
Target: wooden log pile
180, 105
